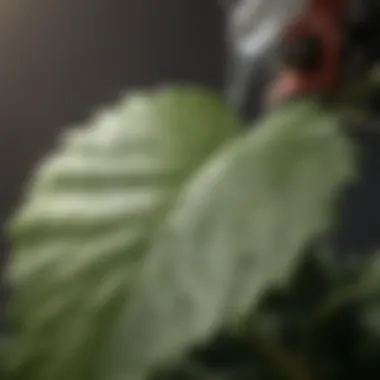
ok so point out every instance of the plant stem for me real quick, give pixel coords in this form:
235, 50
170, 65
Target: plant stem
285, 364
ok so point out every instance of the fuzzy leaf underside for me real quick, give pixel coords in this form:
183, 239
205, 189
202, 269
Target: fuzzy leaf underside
88, 217
238, 226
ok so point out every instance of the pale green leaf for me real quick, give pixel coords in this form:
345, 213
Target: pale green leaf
90, 213
238, 227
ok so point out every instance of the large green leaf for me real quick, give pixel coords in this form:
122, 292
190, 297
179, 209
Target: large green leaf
238, 227
89, 216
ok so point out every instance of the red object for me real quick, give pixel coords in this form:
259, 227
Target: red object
321, 19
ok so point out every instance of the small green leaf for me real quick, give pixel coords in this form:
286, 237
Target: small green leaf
89, 217
237, 228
